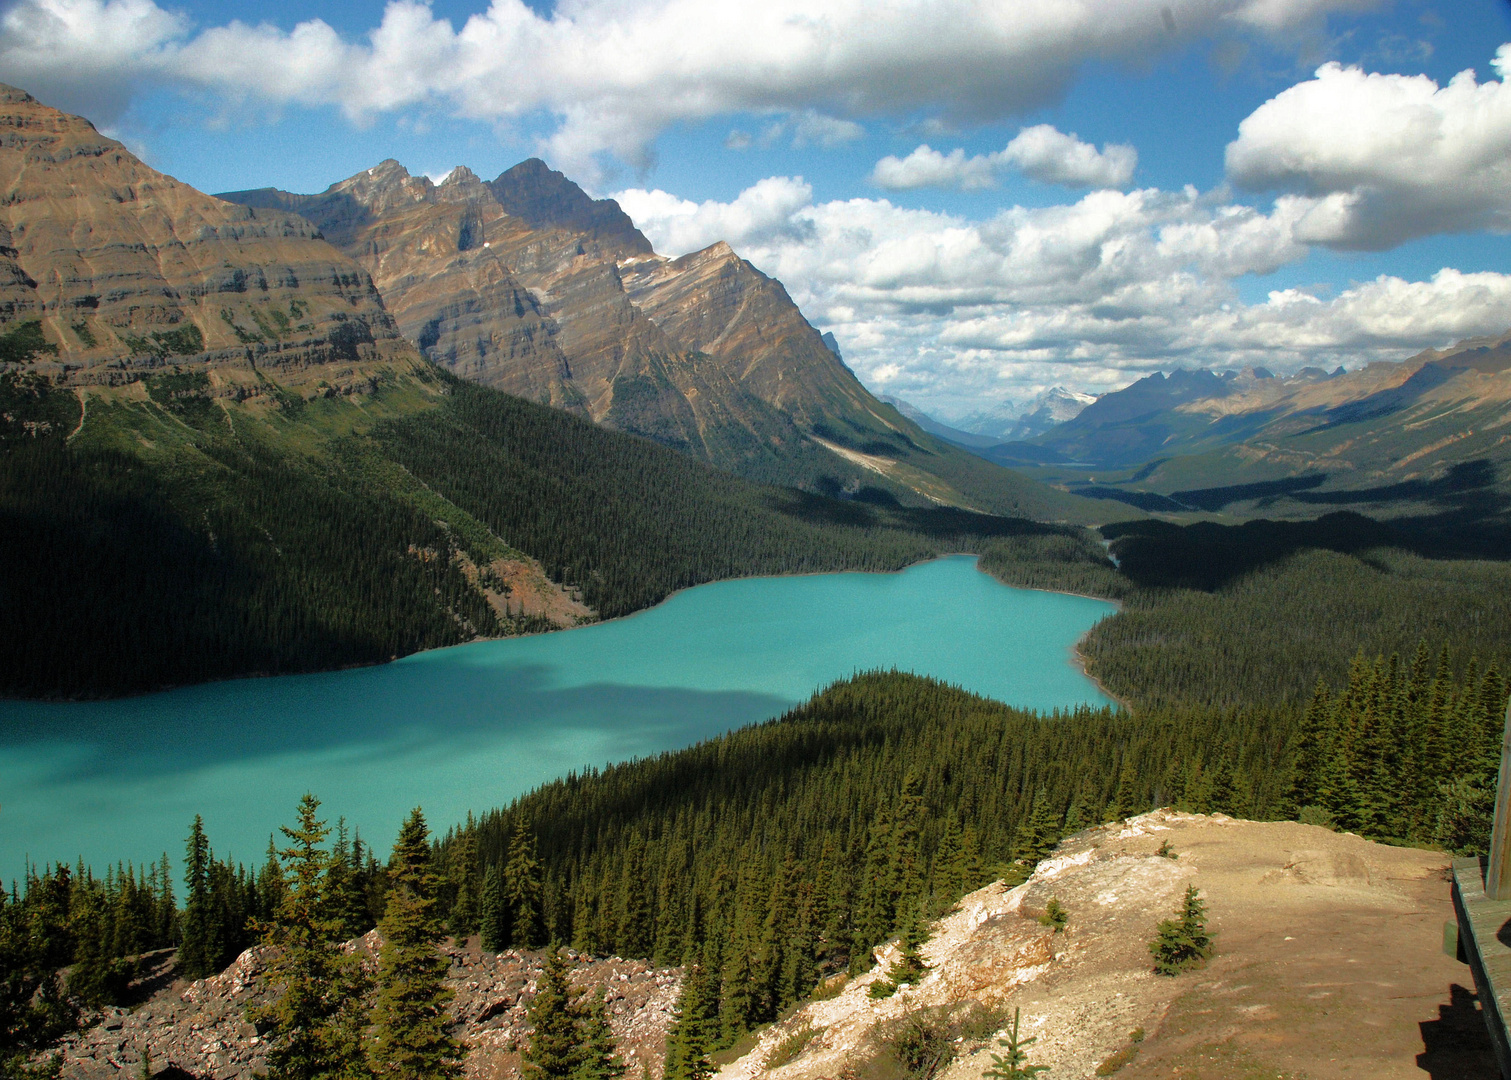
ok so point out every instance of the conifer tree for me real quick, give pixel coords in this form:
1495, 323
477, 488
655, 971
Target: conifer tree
909, 966
1013, 1065
523, 887
1307, 749
600, 1050
555, 1049
1123, 796
1223, 796
463, 920
1038, 833
907, 838
1182, 944
694, 1028
317, 1018
874, 919
493, 912
198, 950
344, 894
410, 1041
635, 934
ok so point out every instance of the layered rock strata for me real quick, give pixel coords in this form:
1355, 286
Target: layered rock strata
108, 266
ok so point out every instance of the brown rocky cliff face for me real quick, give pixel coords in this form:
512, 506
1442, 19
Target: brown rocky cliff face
120, 263
712, 301
533, 303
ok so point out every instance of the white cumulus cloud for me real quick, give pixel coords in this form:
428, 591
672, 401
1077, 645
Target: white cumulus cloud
1041, 152
1379, 159
1092, 294
615, 73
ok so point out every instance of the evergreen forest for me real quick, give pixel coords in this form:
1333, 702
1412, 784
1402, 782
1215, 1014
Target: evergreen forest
779, 855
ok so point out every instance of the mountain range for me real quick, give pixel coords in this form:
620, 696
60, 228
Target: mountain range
1390, 436
227, 446
525, 284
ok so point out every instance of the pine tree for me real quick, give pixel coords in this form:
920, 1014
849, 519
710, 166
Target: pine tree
555, 1049
874, 919
949, 876
1038, 833
348, 905
493, 912
907, 870
463, 920
636, 933
1124, 796
199, 950
523, 888
909, 966
316, 1020
1183, 944
410, 1041
600, 1050
1013, 1065
694, 1028
1307, 750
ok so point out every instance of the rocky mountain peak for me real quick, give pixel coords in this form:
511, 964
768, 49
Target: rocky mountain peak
463, 185
543, 198
14, 95
386, 186
112, 261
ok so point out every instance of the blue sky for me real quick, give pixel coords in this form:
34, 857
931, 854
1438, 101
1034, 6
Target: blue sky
1360, 213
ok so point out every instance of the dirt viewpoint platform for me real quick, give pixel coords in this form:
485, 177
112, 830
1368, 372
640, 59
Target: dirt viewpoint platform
1329, 964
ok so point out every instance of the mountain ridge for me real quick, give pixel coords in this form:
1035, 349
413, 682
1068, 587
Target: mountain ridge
564, 303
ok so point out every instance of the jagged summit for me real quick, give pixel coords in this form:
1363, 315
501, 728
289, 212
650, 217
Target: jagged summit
545, 198
526, 284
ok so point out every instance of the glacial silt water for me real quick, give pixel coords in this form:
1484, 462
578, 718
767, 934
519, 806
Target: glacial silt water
470, 727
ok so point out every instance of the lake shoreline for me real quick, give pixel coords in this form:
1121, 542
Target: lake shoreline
456, 730
83, 699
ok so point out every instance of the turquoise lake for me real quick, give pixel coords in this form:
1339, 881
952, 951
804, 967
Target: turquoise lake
468, 728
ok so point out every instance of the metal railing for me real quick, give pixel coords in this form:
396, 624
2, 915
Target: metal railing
1482, 902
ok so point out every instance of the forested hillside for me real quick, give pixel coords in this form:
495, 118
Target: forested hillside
779, 854
207, 522
1218, 616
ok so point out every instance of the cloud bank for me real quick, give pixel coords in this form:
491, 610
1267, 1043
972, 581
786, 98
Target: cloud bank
1093, 294
616, 73
1380, 159
1041, 152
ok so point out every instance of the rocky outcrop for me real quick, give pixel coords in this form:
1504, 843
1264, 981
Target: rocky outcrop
1327, 965
107, 264
200, 1029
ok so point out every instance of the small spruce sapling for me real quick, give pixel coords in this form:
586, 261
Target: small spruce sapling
909, 965
1014, 1065
1182, 944
1054, 915
1166, 851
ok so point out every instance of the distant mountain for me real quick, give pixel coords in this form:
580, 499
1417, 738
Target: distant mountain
527, 285
1011, 420
1410, 432
1053, 407
935, 427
